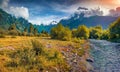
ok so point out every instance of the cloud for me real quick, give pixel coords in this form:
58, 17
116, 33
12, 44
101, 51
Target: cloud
16, 11
4, 3
45, 20
82, 8
91, 12
115, 12
19, 12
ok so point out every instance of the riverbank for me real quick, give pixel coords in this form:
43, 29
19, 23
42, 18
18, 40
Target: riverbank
106, 56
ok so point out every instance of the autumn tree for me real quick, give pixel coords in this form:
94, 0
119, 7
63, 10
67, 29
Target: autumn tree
82, 32
25, 32
114, 29
31, 30
96, 32
13, 30
35, 31
60, 32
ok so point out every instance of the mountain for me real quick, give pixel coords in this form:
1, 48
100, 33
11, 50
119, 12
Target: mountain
44, 27
6, 20
79, 19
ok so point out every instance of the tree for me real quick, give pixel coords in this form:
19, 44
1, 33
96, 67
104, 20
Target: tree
13, 30
25, 29
114, 29
74, 32
25, 32
105, 35
35, 31
12, 27
96, 32
44, 33
31, 29
82, 32
60, 32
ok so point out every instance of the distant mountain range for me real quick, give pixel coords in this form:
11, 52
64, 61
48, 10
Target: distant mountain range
80, 19
73, 22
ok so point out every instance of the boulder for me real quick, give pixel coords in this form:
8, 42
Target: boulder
89, 60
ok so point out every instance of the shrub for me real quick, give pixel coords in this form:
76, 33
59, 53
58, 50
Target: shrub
2, 36
114, 29
96, 32
37, 47
31, 34
13, 32
76, 40
82, 32
60, 32
24, 33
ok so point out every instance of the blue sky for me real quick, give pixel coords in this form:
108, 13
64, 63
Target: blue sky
46, 11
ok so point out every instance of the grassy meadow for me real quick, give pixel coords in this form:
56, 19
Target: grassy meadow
39, 54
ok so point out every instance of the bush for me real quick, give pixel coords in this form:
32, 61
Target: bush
24, 33
60, 32
76, 40
2, 36
13, 32
31, 34
96, 32
82, 32
114, 29
38, 47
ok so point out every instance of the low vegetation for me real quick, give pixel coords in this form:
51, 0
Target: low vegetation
33, 59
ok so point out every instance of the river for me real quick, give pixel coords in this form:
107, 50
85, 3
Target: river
106, 56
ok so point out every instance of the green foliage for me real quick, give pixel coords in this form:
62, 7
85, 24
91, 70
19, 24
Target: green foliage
114, 29
76, 40
96, 32
74, 32
105, 35
82, 32
60, 32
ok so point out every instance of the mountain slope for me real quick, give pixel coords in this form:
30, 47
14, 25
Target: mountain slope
6, 20
79, 19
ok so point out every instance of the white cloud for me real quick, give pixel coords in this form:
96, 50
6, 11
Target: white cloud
45, 20
16, 11
4, 3
66, 9
92, 12
19, 12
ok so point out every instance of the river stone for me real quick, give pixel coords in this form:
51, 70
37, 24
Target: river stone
89, 60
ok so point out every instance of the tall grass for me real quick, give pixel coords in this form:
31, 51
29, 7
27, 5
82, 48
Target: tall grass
37, 58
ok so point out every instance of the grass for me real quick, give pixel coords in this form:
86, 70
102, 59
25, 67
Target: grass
22, 54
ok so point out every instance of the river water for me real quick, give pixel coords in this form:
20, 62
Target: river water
106, 56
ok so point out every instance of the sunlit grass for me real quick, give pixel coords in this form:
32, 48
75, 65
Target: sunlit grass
50, 59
